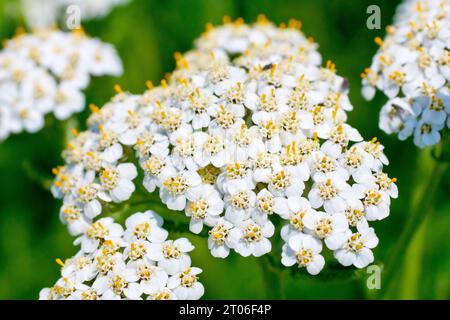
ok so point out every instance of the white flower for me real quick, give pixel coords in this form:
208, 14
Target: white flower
213, 151
286, 207
324, 164
137, 250
197, 106
427, 133
145, 225
72, 215
287, 181
46, 13
376, 203
80, 268
204, 206
387, 185
84, 292
370, 80
62, 289
102, 230
249, 124
331, 228
294, 209
237, 175
175, 188
117, 283
219, 241
263, 165
265, 205
103, 58
225, 118
87, 191
129, 123
411, 68
339, 137
44, 72
357, 250
163, 294
329, 191
109, 146
303, 250
69, 100
152, 278
155, 168
117, 182
25, 118
243, 142
240, 204
40, 88
185, 284
434, 111
294, 162
172, 255
152, 144
394, 114
135, 264
354, 212
373, 151
357, 164
107, 257
187, 149
250, 238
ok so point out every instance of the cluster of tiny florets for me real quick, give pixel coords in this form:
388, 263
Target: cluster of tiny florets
412, 68
136, 263
48, 13
45, 72
247, 127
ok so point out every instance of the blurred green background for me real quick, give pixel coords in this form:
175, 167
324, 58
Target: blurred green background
146, 34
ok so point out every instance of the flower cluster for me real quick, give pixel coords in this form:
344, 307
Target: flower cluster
136, 263
47, 13
45, 72
247, 127
412, 68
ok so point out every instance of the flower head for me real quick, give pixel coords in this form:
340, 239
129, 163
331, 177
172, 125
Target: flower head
45, 72
115, 264
412, 68
40, 14
248, 126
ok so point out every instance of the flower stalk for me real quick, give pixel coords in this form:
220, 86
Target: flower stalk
421, 208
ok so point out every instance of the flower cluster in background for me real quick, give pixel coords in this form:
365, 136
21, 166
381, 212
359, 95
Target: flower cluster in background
136, 263
45, 72
247, 127
47, 13
412, 68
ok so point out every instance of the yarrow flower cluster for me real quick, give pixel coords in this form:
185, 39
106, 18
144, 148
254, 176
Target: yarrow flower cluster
248, 126
136, 263
45, 72
47, 13
412, 68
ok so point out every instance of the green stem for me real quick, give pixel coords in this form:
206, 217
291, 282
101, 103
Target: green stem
408, 286
422, 208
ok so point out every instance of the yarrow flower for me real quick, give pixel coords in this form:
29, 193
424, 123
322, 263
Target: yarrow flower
412, 68
248, 126
47, 13
136, 263
45, 72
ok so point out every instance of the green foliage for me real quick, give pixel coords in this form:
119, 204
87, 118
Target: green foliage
146, 34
